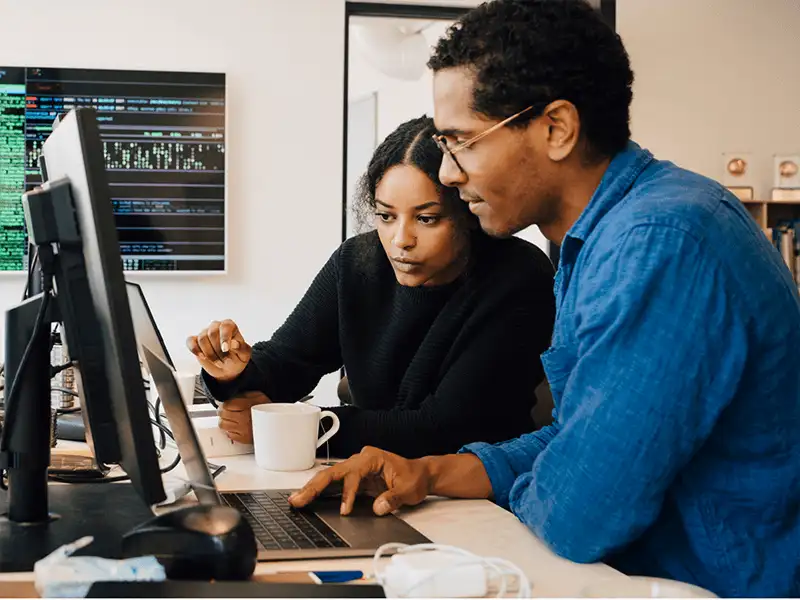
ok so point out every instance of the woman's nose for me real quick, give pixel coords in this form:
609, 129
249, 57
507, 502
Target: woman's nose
403, 237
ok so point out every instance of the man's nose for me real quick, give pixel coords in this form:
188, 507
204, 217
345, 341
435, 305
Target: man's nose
449, 172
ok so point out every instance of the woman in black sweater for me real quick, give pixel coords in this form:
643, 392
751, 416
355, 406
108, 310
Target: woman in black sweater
438, 326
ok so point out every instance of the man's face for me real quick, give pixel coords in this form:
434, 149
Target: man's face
506, 177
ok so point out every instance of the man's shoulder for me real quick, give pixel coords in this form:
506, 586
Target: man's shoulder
674, 216
665, 195
666, 202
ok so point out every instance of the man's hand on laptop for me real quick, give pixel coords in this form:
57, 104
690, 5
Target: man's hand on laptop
398, 481
221, 350
235, 418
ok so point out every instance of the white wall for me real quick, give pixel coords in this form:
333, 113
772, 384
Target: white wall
398, 100
715, 76
712, 76
284, 134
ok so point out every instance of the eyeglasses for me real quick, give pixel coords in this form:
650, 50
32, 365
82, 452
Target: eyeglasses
441, 140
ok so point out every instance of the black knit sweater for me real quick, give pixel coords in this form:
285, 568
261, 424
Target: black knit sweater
430, 368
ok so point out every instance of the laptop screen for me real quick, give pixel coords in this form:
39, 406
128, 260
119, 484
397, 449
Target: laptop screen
144, 325
191, 452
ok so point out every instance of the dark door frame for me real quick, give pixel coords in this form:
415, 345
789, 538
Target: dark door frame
608, 8
369, 9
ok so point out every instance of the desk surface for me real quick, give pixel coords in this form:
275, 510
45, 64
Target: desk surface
475, 525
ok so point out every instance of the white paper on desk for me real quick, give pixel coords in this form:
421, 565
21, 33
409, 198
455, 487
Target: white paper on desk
213, 440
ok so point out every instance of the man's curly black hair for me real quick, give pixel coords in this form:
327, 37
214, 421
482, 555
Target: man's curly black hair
532, 52
410, 144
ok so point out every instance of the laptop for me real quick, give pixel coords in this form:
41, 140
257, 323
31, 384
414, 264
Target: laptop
282, 532
144, 324
148, 334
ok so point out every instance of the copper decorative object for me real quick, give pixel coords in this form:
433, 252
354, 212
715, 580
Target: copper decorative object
737, 166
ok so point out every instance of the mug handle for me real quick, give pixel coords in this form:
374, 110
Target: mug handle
329, 434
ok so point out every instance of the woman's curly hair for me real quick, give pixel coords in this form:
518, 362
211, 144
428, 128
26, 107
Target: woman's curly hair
410, 144
532, 52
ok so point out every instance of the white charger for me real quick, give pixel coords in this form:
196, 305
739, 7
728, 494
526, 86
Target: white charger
437, 571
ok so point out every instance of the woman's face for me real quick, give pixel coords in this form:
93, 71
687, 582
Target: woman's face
426, 244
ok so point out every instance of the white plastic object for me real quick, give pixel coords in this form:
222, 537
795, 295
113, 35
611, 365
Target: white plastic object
435, 574
61, 575
438, 571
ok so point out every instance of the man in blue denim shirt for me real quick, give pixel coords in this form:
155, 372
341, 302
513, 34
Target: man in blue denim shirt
675, 359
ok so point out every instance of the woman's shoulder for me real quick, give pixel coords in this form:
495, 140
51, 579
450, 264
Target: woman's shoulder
363, 256
511, 272
511, 256
362, 246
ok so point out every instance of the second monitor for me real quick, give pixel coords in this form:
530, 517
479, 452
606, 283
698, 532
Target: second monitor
163, 141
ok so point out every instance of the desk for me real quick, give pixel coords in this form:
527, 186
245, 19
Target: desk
475, 525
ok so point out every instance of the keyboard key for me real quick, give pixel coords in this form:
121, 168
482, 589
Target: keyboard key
279, 526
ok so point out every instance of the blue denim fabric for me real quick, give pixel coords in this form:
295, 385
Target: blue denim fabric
675, 370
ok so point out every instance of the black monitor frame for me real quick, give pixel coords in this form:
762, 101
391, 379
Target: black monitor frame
71, 222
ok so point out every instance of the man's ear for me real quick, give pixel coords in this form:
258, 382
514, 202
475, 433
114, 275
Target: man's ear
563, 125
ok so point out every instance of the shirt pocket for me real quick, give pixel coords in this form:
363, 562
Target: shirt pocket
558, 362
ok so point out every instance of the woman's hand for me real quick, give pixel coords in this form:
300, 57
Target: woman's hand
221, 350
235, 417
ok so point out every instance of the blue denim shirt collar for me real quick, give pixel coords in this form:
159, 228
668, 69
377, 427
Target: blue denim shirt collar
622, 171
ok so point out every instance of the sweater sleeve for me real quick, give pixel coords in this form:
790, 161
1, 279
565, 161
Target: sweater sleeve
300, 352
484, 393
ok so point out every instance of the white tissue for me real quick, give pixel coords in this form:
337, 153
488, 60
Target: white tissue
61, 575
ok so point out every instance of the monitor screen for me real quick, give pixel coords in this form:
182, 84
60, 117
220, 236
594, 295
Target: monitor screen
163, 137
74, 152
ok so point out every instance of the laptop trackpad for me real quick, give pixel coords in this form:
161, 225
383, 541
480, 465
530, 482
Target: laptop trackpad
361, 528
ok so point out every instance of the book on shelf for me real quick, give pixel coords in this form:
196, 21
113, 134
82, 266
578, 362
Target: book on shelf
786, 237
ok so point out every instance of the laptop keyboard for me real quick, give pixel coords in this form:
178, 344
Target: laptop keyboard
278, 526
200, 393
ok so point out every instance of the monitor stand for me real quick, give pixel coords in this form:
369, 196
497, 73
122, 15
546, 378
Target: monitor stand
25, 438
36, 517
106, 511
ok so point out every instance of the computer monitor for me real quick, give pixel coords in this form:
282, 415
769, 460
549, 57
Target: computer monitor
74, 152
164, 142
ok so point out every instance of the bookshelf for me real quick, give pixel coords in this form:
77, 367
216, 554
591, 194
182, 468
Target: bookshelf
780, 222
768, 213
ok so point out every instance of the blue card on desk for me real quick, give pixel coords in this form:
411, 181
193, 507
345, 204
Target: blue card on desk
335, 576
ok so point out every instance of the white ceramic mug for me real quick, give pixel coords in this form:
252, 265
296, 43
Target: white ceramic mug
285, 436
